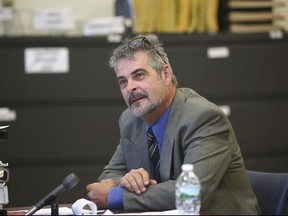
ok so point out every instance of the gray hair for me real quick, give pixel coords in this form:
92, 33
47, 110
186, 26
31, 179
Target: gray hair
150, 43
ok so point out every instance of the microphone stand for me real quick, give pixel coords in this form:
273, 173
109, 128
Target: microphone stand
69, 182
54, 208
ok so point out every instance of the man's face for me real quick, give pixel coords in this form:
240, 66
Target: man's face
141, 86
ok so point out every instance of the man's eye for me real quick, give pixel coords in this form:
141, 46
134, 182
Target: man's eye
122, 82
139, 75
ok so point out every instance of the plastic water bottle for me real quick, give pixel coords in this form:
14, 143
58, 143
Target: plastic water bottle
188, 199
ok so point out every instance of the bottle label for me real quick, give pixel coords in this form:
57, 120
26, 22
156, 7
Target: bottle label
188, 199
188, 192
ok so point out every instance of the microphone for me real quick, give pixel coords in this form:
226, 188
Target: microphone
69, 182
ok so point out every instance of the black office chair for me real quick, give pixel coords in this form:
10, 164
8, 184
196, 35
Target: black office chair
271, 190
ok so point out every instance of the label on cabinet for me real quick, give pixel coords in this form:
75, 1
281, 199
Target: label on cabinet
218, 52
46, 60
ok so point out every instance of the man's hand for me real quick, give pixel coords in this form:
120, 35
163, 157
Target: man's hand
98, 192
137, 181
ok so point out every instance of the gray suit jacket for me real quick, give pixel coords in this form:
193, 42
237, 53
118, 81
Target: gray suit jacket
197, 132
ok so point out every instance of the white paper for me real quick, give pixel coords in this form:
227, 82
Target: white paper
47, 211
6, 14
78, 207
54, 18
168, 212
46, 60
62, 211
104, 26
218, 52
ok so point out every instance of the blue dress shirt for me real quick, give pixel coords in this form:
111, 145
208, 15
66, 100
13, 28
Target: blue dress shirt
115, 195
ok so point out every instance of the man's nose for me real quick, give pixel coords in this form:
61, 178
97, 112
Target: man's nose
131, 86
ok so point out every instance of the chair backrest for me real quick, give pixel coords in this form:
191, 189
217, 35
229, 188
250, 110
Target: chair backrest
271, 190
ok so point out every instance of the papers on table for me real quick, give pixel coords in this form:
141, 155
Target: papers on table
169, 212
68, 211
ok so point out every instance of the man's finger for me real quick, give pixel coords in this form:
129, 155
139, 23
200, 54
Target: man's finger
145, 176
135, 181
126, 184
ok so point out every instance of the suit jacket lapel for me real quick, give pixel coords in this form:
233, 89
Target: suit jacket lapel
169, 138
139, 147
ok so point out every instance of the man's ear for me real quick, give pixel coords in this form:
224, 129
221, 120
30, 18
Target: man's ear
167, 73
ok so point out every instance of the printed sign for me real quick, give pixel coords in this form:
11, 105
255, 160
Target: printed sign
46, 60
56, 19
104, 26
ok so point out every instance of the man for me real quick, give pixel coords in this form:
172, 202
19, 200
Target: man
188, 129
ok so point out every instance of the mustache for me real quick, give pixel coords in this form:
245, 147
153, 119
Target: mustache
134, 96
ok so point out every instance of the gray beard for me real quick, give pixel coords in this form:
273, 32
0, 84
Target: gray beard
144, 111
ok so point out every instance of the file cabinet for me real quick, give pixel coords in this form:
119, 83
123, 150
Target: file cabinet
69, 122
